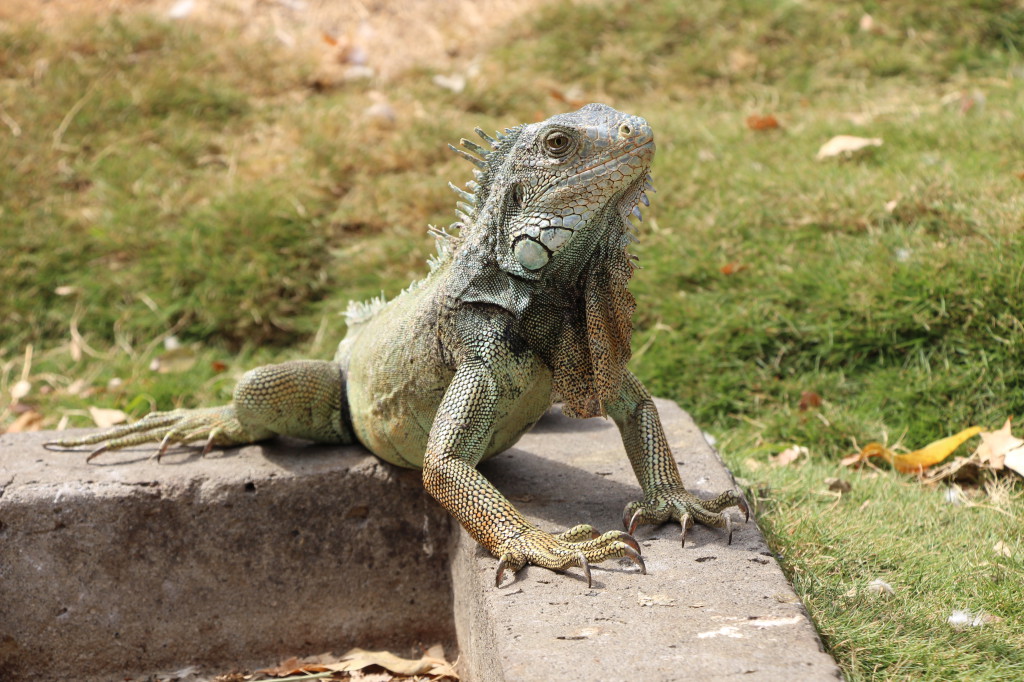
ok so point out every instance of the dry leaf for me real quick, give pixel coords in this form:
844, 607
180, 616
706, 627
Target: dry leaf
1002, 548
732, 268
429, 664
809, 399
107, 417
788, 456
847, 145
933, 453
65, 290
768, 122
26, 421
997, 445
916, 461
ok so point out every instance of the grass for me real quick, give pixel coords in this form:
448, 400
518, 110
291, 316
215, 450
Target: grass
166, 181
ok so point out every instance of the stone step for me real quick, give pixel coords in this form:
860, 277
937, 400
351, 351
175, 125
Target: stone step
247, 556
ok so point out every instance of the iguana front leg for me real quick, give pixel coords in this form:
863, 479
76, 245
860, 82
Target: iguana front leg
665, 497
460, 433
301, 398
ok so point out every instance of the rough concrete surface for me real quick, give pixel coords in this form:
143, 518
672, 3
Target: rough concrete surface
126, 565
706, 611
240, 558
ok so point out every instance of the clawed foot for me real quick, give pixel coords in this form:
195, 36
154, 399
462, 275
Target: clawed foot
684, 507
217, 425
579, 546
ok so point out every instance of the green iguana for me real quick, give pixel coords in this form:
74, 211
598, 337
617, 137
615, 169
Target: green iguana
527, 305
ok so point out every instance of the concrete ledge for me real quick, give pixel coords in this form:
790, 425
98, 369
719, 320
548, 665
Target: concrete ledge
125, 565
709, 611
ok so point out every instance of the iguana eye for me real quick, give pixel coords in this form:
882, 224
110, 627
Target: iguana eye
558, 144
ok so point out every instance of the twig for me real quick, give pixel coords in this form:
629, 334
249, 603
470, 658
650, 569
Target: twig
58, 134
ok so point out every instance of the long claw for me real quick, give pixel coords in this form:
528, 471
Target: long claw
501, 572
637, 559
96, 453
686, 522
209, 442
633, 522
728, 526
164, 444
742, 504
585, 565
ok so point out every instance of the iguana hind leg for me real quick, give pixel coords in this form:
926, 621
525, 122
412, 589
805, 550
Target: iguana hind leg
301, 398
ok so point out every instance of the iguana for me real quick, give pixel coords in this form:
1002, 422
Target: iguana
526, 305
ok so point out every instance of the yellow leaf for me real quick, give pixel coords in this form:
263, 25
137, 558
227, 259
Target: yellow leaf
933, 453
868, 451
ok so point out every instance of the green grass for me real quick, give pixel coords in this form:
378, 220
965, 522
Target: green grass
169, 181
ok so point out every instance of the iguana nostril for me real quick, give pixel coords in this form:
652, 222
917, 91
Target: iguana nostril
625, 130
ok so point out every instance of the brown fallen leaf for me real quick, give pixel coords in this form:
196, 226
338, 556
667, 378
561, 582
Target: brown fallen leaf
846, 146
30, 420
809, 399
732, 268
761, 123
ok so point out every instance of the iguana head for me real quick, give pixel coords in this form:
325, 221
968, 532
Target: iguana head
557, 187
547, 221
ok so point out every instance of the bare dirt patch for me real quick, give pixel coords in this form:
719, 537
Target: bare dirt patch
386, 36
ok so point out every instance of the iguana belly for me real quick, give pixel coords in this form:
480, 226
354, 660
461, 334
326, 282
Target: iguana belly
395, 381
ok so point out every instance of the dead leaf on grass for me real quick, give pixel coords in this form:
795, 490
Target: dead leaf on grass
998, 446
104, 417
847, 146
732, 268
1002, 549
762, 123
788, 456
916, 461
808, 400
30, 420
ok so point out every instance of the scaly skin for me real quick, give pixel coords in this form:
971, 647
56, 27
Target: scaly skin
527, 305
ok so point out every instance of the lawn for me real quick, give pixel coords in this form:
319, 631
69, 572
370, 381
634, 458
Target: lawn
179, 205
